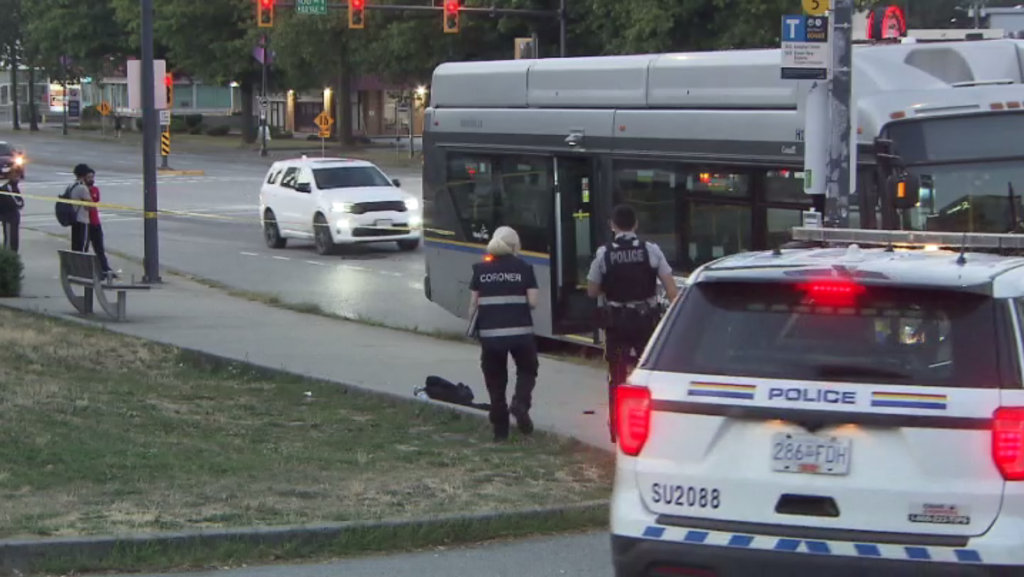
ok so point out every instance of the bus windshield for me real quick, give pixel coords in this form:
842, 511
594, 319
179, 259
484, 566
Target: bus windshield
968, 167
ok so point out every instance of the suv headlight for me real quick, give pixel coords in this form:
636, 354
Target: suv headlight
341, 207
19, 160
412, 204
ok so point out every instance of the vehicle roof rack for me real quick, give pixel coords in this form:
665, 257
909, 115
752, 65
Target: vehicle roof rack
912, 238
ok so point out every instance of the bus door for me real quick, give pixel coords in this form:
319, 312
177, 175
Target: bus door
573, 312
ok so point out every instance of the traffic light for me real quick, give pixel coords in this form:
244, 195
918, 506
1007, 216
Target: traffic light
355, 14
265, 13
451, 16
169, 86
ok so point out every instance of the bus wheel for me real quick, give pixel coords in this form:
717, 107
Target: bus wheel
409, 245
322, 236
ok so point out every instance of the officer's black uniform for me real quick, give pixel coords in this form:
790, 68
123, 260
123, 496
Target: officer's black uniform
10, 215
504, 325
629, 285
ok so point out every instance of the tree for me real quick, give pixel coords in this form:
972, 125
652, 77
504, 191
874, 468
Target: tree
86, 33
212, 40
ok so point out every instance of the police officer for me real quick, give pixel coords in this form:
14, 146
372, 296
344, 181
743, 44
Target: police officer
626, 273
504, 290
10, 209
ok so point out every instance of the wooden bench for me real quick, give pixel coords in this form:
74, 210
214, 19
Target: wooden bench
83, 269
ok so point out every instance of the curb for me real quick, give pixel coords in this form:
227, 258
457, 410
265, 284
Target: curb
114, 552
170, 172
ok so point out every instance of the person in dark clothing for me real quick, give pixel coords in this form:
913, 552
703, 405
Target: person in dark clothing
10, 210
96, 233
80, 192
625, 274
503, 292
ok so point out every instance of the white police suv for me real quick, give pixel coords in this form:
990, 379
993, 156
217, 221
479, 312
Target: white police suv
832, 412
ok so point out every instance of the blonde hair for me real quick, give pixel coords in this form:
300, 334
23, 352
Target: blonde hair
505, 241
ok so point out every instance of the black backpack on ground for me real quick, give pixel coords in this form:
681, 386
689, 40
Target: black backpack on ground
439, 389
65, 212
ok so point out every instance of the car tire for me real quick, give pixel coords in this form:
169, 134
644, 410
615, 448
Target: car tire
409, 245
271, 233
322, 236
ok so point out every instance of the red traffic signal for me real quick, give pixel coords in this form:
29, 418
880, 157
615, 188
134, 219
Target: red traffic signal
265, 13
355, 14
168, 80
451, 16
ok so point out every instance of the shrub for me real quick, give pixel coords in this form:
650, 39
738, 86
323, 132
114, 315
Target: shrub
197, 129
138, 124
222, 130
11, 270
178, 125
278, 134
193, 120
90, 113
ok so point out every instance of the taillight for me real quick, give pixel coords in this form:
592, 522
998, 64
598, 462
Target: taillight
633, 416
1008, 442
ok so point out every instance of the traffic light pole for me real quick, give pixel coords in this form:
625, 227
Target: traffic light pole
151, 261
264, 100
562, 17
837, 196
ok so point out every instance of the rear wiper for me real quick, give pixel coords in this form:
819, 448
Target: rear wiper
860, 371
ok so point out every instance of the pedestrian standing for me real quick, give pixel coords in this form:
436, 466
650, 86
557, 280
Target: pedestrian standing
80, 192
11, 203
96, 233
503, 293
625, 272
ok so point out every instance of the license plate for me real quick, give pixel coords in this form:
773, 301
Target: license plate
382, 224
811, 454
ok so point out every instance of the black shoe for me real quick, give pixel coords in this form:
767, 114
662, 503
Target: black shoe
500, 434
523, 420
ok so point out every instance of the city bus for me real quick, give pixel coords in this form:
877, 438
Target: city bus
707, 147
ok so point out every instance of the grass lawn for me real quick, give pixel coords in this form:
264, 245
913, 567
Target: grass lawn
105, 433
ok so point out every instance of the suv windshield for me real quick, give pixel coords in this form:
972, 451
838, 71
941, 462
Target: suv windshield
5, 149
887, 335
349, 177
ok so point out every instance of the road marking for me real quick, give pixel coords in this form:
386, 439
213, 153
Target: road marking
250, 254
315, 263
280, 258
354, 267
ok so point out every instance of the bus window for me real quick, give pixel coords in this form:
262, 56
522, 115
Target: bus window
526, 199
472, 188
654, 190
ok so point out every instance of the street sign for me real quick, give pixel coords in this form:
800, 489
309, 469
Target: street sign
323, 121
812, 7
103, 108
165, 118
311, 6
263, 104
325, 133
135, 84
806, 51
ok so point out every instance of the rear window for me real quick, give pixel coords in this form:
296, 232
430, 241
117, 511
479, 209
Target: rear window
881, 335
349, 177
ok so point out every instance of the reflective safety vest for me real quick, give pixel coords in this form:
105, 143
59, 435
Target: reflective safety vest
629, 276
503, 317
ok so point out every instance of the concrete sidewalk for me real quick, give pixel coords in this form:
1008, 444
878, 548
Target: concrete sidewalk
192, 316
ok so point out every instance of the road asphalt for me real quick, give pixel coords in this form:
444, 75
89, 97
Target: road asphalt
569, 556
226, 244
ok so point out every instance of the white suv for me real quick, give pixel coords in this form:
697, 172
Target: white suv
832, 412
335, 201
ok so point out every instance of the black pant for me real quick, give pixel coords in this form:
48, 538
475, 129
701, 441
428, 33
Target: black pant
494, 363
96, 240
12, 229
80, 237
623, 346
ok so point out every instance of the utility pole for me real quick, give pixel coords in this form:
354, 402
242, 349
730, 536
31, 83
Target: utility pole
837, 199
151, 261
264, 100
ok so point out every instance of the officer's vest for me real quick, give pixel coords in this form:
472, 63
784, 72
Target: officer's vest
503, 318
629, 276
